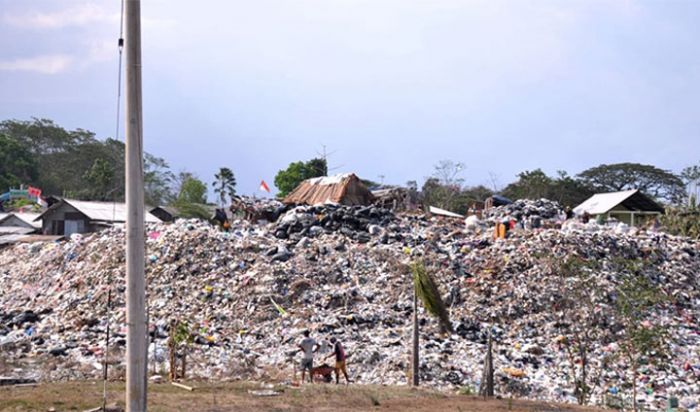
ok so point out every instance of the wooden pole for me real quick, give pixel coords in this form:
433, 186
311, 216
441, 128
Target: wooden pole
415, 363
106, 353
135, 243
486, 388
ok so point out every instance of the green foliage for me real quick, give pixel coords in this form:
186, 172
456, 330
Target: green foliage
428, 293
19, 203
66, 162
181, 334
579, 317
17, 165
536, 185
157, 180
100, 178
224, 184
682, 221
691, 178
288, 179
192, 190
642, 341
466, 390
655, 182
445, 189
193, 210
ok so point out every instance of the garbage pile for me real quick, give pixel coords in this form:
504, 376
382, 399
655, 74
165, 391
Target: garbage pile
248, 294
355, 222
255, 209
524, 208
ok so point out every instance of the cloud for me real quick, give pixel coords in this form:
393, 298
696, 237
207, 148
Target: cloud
76, 16
49, 64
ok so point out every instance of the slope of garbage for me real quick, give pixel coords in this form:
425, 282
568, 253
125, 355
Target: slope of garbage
248, 294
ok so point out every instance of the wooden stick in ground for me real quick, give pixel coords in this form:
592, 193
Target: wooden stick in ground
415, 361
486, 388
106, 353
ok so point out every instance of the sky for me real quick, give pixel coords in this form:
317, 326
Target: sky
388, 87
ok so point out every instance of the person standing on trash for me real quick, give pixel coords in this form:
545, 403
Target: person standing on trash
307, 346
340, 366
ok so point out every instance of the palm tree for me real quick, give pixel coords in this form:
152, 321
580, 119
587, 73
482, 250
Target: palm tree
224, 184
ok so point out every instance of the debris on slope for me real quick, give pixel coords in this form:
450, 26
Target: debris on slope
342, 271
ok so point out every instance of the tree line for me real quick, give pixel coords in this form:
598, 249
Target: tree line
445, 187
75, 163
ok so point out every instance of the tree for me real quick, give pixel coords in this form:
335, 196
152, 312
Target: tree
65, 158
580, 318
192, 190
224, 184
444, 186
536, 184
100, 178
157, 179
530, 185
316, 167
17, 165
657, 183
641, 341
191, 196
691, 178
288, 179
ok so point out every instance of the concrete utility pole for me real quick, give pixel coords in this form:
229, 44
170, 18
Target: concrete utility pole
135, 282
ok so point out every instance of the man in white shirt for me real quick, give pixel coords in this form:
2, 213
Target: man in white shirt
307, 346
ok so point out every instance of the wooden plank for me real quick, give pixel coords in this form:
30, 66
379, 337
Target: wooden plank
185, 387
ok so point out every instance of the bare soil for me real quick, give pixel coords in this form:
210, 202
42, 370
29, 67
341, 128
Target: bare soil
230, 396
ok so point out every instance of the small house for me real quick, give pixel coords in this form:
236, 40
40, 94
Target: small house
13, 221
68, 216
344, 189
629, 206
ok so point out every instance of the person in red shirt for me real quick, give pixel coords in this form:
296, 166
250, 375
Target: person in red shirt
339, 353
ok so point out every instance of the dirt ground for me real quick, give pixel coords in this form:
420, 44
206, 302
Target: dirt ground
80, 396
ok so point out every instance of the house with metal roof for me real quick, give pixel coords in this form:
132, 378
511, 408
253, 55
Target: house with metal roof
629, 206
25, 220
77, 216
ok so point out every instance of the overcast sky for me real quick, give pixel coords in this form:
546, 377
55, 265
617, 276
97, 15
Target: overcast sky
389, 87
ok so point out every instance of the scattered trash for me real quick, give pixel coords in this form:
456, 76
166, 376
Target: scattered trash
264, 392
349, 278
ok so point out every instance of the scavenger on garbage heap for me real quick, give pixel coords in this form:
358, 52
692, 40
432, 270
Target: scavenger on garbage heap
339, 353
501, 229
308, 346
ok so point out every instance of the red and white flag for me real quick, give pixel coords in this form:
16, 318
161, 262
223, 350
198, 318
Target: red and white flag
264, 187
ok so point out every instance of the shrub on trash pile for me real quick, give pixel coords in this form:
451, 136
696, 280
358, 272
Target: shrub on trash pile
683, 221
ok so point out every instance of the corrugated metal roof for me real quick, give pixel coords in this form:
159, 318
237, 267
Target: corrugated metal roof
15, 230
602, 202
633, 200
442, 212
101, 211
27, 218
